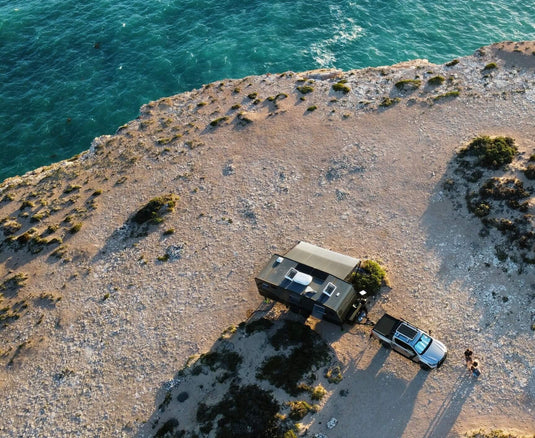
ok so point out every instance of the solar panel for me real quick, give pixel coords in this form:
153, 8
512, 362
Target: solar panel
329, 289
408, 331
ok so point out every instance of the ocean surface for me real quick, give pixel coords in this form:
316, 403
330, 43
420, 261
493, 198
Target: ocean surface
72, 70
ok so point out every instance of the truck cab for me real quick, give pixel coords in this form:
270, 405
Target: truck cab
410, 342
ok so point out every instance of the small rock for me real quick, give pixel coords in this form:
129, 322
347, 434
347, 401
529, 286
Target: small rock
332, 423
182, 397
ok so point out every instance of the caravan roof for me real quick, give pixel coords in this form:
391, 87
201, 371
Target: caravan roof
331, 262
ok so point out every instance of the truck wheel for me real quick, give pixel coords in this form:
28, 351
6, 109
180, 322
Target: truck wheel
424, 366
386, 345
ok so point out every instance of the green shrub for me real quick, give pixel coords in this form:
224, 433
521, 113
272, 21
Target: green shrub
408, 84
277, 97
218, 121
491, 66
305, 89
154, 210
26, 204
474, 176
71, 188
312, 108
15, 282
482, 209
341, 86
495, 433
318, 392
503, 189
252, 95
529, 171
387, 101
452, 93
436, 80
334, 374
10, 227
8, 197
246, 412
25, 237
299, 409
38, 217
491, 153
75, 228
452, 63
370, 277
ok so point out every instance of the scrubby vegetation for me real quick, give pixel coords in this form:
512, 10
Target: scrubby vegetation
245, 411
155, 209
452, 93
307, 350
334, 374
491, 153
408, 84
529, 171
305, 89
277, 97
342, 87
387, 101
250, 409
502, 202
218, 121
370, 277
167, 428
436, 80
75, 228
492, 434
490, 66
299, 409
318, 392
15, 282
510, 189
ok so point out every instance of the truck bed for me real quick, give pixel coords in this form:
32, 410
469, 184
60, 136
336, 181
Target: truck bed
387, 325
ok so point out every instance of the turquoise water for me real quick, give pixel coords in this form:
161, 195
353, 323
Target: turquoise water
72, 70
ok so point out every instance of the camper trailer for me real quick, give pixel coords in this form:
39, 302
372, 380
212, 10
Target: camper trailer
313, 281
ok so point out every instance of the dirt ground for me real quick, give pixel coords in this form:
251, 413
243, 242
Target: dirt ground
113, 310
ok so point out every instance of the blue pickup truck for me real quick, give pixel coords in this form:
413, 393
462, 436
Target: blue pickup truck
410, 341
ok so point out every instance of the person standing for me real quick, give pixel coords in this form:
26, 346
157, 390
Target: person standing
468, 357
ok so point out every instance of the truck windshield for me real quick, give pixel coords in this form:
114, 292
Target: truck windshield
422, 343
